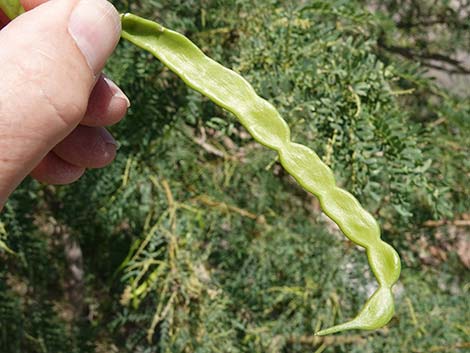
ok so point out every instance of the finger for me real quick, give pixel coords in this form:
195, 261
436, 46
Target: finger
49, 58
54, 170
31, 4
107, 104
3, 19
88, 147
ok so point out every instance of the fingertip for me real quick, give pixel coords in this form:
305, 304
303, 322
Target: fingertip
55, 171
107, 104
88, 147
117, 92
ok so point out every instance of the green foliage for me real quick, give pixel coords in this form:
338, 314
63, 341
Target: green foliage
195, 240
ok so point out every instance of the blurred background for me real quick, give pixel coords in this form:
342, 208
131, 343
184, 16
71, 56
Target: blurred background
196, 240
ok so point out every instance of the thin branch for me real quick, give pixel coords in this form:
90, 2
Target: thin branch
229, 208
446, 348
409, 53
327, 340
442, 222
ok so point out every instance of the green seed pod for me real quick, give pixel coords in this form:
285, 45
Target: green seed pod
233, 93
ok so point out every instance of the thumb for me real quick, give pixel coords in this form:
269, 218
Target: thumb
49, 59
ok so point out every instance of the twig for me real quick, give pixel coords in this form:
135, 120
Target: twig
409, 53
171, 204
326, 340
460, 345
442, 222
437, 122
225, 207
209, 148
160, 315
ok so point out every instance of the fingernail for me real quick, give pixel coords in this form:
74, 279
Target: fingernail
109, 139
95, 26
117, 92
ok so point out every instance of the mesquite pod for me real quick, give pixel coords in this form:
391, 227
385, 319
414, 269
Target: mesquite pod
233, 93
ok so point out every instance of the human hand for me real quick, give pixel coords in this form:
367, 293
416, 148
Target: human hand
54, 103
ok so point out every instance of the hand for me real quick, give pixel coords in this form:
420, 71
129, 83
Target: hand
54, 103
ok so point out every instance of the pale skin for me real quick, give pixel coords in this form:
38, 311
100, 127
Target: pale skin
55, 104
